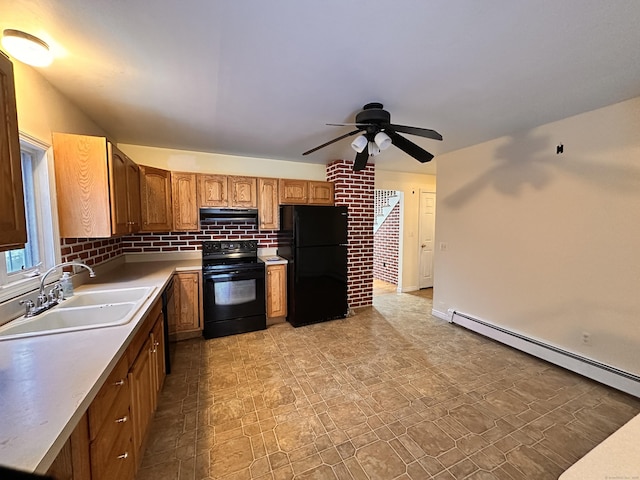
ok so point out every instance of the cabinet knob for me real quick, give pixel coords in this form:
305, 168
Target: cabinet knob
123, 456
119, 383
122, 420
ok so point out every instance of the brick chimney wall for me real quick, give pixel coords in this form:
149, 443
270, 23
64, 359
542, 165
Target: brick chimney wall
355, 190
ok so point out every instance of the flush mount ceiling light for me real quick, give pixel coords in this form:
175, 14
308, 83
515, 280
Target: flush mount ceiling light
26, 48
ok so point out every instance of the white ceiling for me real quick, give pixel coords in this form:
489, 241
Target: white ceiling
261, 78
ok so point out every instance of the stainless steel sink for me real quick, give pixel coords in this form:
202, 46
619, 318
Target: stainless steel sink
85, 310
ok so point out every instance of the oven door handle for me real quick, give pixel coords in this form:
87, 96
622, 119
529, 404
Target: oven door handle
233, 276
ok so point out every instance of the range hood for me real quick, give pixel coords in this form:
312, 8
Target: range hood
211, 215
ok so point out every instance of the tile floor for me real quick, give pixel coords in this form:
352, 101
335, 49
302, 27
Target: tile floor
390, 393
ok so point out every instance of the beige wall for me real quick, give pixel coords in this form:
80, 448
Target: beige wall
42, 109
548, 245
188, 161
410, 185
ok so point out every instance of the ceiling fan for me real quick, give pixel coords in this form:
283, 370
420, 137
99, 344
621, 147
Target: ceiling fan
378, 134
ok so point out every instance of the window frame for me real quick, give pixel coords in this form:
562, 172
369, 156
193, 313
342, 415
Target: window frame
46, 215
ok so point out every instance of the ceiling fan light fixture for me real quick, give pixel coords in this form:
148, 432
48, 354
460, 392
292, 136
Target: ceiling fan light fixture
26, 48
373, 149
382, 140
359, 143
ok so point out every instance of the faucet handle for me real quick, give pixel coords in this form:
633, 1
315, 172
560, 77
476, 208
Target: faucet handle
28, 307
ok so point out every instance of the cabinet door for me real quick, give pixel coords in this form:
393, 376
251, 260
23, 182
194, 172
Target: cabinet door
268, 213
276, 291
82, 184
155, 193
185, 208
119, 198
13, 230
212, 191
73, 461
292, 192
243, 192
321, 193
187, 302
133, 195
160, 371
142, 391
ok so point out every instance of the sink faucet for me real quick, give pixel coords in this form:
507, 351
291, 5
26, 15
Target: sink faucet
43, 302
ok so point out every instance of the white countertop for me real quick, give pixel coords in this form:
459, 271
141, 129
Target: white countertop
272, 260
618, 456
48, 382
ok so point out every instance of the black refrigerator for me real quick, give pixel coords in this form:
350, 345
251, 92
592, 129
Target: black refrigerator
313, 239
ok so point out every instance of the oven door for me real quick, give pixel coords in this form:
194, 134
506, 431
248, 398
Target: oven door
234, 300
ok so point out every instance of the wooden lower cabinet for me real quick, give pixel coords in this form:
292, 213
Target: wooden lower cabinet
74, 462
109, 441
142, 396
187, 294
276, 286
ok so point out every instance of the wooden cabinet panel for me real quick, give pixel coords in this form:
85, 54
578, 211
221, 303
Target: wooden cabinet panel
268, 208
276, 291
142, 396
74, 462
119, 198
133, 195
13, 229
183, 197
292, 191
321, 193
243, 192
159, 368
212, 191
155, 193
82, 184
187, 302
98, 187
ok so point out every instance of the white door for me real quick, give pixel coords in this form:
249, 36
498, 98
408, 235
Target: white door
426, 228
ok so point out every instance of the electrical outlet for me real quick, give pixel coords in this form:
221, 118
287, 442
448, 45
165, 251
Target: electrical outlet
443, 246
586, 338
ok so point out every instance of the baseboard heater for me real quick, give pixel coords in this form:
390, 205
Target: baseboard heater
600, 372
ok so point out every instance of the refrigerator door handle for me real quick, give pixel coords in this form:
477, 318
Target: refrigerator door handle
343, 244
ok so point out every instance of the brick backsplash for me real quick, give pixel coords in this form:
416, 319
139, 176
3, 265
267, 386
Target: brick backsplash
95, 251
190, 241
355, 190
91, 251
386, 246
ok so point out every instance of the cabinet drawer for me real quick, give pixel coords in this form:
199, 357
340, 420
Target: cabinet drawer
117, 384
118, 462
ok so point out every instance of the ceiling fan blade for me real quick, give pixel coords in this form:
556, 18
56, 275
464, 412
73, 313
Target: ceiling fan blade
332, 141
421, 132
409, 147
360, 162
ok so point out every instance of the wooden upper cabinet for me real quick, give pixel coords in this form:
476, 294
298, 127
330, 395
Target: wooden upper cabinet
212, 191
185, 207
321, 193
82, 169
243, 192
268, 209
133, 193
155, 195
293, 191
124, 182
13, 230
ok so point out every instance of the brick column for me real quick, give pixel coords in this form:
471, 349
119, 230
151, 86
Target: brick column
355, 190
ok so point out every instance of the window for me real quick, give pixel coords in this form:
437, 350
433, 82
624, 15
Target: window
20, 268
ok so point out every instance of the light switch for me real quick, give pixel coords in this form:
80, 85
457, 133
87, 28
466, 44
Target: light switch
443, 246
